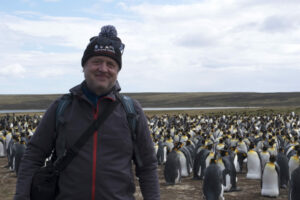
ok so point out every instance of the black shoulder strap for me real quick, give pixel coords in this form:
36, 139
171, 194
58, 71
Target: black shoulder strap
131, 114
59, 119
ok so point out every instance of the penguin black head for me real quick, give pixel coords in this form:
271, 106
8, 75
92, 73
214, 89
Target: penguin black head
265, 148
209, 147
272, 158
213, 161
223, 153
251, 146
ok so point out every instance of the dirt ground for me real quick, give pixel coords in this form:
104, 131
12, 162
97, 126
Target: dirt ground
188, 189
7, 181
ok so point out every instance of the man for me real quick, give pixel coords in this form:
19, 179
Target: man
102, 169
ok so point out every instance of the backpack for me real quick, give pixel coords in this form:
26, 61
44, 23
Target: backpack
131, 114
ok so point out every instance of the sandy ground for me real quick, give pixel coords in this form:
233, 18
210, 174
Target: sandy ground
188, 189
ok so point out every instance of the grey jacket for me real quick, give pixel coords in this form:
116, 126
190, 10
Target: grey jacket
103, 167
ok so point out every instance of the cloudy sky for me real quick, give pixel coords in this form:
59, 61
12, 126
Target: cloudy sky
171, 45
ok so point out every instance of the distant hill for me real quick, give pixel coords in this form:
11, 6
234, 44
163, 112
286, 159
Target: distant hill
206, 99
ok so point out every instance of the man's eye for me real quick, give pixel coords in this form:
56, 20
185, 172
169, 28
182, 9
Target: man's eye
110, 65
96, 62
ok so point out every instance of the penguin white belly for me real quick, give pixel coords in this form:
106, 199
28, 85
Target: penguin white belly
264, 158
2, 152
165, 154
170, 146
155, 149
199, 171
236, 164
242, 148
184, 170
177, 179
222, 193
207, 160
270, 182
228, 183
293, 164
254, 166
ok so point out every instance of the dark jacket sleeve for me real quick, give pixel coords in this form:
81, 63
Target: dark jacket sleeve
38, 149
147, 173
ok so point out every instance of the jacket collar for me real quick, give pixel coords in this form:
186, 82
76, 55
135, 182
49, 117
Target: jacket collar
82, 91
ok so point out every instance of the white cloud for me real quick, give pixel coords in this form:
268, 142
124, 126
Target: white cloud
13, 70
50, 73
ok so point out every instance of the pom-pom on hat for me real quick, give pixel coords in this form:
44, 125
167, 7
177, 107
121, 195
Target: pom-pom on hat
107, 44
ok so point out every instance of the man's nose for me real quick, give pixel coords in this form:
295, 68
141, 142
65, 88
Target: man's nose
103, 67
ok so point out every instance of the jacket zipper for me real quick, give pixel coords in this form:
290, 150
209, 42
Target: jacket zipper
95, 139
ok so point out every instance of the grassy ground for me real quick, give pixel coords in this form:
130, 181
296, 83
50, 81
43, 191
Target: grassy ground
197, 99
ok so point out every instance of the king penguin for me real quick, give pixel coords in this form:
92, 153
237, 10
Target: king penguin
162, 153
229, 173
253, 164
188, 156
212, 183
270, 179
241, 157
172, 170
199, 164
265, 156
185, 171
19, 151
282, 162
294, 189
294, 161
11, 153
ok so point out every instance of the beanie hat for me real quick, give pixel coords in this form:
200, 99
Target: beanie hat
105, 44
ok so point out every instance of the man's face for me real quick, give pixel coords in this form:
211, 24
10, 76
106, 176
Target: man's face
100, 73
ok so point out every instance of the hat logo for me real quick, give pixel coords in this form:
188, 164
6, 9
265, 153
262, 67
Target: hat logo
107, 48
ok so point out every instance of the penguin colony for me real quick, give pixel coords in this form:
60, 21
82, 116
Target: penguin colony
15, 133
211, 149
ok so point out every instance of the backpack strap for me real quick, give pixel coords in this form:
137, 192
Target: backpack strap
131, 114
60, 138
